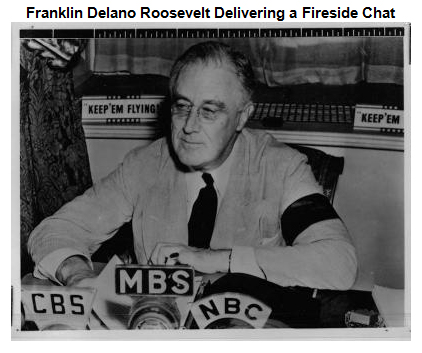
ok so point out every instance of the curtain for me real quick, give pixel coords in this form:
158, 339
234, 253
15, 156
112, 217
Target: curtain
152, 55
54, 165
276, 61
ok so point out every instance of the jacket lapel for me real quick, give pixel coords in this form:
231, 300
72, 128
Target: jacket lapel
164, 218
234, 222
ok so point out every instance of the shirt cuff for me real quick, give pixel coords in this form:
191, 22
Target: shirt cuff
47, 267
243, 261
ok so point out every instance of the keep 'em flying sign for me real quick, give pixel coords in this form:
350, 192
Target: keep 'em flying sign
372, 117
133, 110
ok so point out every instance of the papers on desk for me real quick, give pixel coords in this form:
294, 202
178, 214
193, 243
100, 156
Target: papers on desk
112, 309
390, 303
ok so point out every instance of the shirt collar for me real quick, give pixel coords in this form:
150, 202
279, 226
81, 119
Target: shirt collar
220, 175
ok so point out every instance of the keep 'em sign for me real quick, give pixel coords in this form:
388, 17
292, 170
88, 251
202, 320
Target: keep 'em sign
372, 117
154, 280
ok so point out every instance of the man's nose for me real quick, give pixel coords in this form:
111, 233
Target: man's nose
192, 121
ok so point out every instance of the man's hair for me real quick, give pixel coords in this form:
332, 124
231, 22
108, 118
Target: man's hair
217, 53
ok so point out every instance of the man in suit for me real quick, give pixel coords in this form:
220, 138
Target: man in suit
214, 194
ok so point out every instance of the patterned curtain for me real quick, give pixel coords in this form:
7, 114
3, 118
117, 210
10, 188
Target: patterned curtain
276, 61
54, 165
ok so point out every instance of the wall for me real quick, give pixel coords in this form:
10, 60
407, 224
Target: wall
106, 154
369, 198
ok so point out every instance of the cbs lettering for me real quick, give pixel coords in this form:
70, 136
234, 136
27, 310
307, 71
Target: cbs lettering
57, 303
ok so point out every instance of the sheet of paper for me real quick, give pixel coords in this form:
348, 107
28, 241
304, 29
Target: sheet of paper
390, 303
184, 303
111, 308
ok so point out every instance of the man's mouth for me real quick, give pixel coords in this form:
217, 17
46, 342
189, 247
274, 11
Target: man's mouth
190, 142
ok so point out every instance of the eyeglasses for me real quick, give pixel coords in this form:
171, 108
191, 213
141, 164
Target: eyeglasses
207, 113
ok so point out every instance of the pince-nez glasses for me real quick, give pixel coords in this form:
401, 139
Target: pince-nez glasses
207, 113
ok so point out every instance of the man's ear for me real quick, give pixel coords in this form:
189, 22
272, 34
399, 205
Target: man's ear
245, 113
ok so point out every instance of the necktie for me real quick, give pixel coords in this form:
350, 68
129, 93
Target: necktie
202, 219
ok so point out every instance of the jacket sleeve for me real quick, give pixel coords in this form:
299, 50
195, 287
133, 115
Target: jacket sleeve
316, 250
322, 257
83, 224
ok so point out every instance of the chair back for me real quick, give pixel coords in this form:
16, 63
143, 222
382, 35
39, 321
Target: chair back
326, 168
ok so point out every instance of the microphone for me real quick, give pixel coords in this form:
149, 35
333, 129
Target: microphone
154, 313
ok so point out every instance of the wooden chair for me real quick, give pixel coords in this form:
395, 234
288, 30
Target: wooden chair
326, 168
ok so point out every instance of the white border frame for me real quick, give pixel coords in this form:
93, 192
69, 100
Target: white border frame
267, 334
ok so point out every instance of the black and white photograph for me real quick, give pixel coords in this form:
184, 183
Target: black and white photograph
209, 178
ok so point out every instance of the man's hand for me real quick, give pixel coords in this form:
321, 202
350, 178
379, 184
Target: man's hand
203, 260
75, 271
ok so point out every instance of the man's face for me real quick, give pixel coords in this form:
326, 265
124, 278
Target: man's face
208, 109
